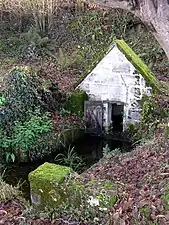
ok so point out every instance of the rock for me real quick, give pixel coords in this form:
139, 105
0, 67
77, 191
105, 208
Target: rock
46, 185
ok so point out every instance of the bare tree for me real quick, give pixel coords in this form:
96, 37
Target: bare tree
153, 13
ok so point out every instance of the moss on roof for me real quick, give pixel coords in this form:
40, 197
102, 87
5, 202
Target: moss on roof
139, 64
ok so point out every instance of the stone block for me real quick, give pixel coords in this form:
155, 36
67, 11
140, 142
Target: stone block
45, 184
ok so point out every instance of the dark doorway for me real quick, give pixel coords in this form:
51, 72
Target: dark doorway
117, 117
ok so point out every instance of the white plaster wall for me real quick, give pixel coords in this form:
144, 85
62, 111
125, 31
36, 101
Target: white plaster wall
114, 80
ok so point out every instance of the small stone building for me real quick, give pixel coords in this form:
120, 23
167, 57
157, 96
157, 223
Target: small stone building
115, 87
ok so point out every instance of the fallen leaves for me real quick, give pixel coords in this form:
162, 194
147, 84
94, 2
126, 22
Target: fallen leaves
144, 174
63, 122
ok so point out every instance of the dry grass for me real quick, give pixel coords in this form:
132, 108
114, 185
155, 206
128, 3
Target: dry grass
8, 192
42, 12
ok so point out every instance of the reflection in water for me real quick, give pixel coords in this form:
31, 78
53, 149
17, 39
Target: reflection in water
89, 148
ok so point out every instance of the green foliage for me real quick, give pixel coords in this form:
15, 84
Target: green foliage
30, 45
24, 129
20, 94
24, 137
26, 134
154, 116
148, 110
154, 110
106, 201
25, 91
88, 40
70, 159
145, 211
106, 150
165, 198
63, 60
92, 33
153, 54
11, 45
135, 134
5, 145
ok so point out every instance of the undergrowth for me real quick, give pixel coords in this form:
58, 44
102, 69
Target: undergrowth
8, 192
70, 158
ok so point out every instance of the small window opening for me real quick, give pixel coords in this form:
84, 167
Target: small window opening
117, 117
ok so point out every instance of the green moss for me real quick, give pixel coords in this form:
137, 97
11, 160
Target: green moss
139, 65
76, 103
46, 179
51, 172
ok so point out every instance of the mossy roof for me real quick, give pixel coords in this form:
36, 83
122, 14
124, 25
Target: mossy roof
140, 66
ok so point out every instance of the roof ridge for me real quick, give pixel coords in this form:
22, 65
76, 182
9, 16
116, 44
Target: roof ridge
134, 59
139, 64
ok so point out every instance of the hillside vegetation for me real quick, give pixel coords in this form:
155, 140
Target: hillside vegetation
45, 48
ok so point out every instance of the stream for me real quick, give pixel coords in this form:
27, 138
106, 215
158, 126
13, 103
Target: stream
90, 149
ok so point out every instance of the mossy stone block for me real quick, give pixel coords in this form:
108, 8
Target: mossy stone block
45, 180
76, 103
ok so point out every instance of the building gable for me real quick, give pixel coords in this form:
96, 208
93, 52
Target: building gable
118, 82
121, 58
141, 67
109, 68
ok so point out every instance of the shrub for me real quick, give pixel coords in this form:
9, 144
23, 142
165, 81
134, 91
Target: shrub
27, 90
108, 153
24, 137
25, 126
26, 134
20, 94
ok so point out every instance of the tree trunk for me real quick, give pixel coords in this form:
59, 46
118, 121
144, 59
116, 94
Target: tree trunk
153, 13
162, 36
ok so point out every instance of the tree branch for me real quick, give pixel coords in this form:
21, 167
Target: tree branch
117, 4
